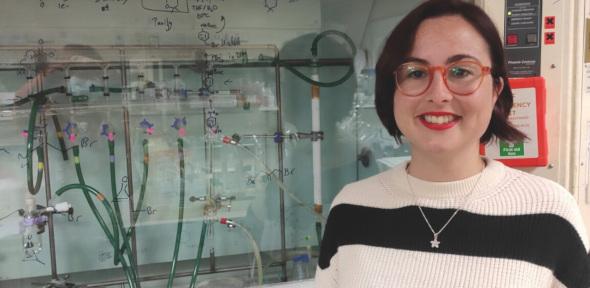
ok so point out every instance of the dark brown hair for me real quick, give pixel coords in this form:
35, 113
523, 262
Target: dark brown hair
400, 44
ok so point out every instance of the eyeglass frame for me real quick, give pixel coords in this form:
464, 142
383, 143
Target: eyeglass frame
443, 69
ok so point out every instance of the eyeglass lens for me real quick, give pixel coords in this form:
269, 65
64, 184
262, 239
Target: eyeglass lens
463, 78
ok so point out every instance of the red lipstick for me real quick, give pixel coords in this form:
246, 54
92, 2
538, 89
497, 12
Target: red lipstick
436, 126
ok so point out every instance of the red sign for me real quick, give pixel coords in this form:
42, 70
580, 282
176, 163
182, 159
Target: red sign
550, 22
549, 38
525, 159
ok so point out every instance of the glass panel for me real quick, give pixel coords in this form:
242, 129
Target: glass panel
200, 110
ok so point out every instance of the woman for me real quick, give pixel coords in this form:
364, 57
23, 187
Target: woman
448, 217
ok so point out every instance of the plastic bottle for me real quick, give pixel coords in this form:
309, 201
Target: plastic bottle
301, 269
32, 244
366, 87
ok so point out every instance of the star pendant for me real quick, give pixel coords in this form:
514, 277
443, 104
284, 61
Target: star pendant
435, 243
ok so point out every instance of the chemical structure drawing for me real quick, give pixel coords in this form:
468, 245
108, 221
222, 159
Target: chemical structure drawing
123, 192
270, 5
203, 35
207, 80
172, 6
35, 60
33, 258
222, 27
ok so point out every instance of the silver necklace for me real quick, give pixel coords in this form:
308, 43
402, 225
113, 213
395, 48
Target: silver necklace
435, 243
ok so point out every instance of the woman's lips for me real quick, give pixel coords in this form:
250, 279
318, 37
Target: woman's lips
439, 120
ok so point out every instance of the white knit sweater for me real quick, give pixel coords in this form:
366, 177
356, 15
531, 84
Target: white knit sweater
516, 230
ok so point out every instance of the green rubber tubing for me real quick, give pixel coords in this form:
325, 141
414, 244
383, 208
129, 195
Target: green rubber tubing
115, 201
38, 100
180, 214
34, 188
314, 53
39, 95
90, 190
199, 255
303, 77
115, 243
146, 165
110, 90
139, 205
76, 150
318, 230
126, 247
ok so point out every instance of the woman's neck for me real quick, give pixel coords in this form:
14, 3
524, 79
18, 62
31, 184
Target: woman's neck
438, 168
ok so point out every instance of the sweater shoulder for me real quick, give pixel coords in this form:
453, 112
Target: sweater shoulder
369, 192
538, 189
525, 193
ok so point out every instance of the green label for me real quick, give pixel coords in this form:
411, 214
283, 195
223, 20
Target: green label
511, 149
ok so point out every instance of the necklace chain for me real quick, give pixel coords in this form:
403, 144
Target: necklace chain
435, 243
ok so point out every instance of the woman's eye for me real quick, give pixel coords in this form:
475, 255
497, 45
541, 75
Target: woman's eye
416, 74
460, 72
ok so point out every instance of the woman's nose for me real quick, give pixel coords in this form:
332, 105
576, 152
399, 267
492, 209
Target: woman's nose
438, 92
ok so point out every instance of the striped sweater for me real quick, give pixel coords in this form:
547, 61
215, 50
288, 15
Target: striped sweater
517, 230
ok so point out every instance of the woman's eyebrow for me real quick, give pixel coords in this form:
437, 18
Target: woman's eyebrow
458, 57
414, 59
451, 59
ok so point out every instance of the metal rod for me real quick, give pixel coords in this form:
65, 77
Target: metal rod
165, 276
291, 62
123, 68
210, 227
267, 136
356, 137
320, 62
50, 227
128, 158
208, 149
282, 192
129, 165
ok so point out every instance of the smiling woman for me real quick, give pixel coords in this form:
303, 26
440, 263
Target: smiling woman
448, 217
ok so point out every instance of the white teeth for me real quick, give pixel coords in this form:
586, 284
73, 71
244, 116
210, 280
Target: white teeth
438, 119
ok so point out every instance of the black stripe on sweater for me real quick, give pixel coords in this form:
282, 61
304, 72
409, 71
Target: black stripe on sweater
543, 239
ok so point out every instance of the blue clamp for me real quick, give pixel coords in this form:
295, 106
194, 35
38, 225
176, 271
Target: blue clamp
278, 137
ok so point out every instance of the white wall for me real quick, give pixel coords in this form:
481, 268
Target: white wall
567, 108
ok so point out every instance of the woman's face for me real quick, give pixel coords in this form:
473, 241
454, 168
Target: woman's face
440, 121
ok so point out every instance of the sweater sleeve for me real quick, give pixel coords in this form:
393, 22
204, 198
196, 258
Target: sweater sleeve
327, 270
582, 266
576, 269
326, 278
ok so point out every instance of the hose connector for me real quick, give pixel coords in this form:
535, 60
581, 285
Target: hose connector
180, 125
228, 222
147, 126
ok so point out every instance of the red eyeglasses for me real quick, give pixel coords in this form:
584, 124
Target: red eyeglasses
461, 77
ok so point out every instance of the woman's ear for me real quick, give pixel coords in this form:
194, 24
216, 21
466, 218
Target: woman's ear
498, 86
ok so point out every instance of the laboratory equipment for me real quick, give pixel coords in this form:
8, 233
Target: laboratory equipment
154, 138
117, 123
